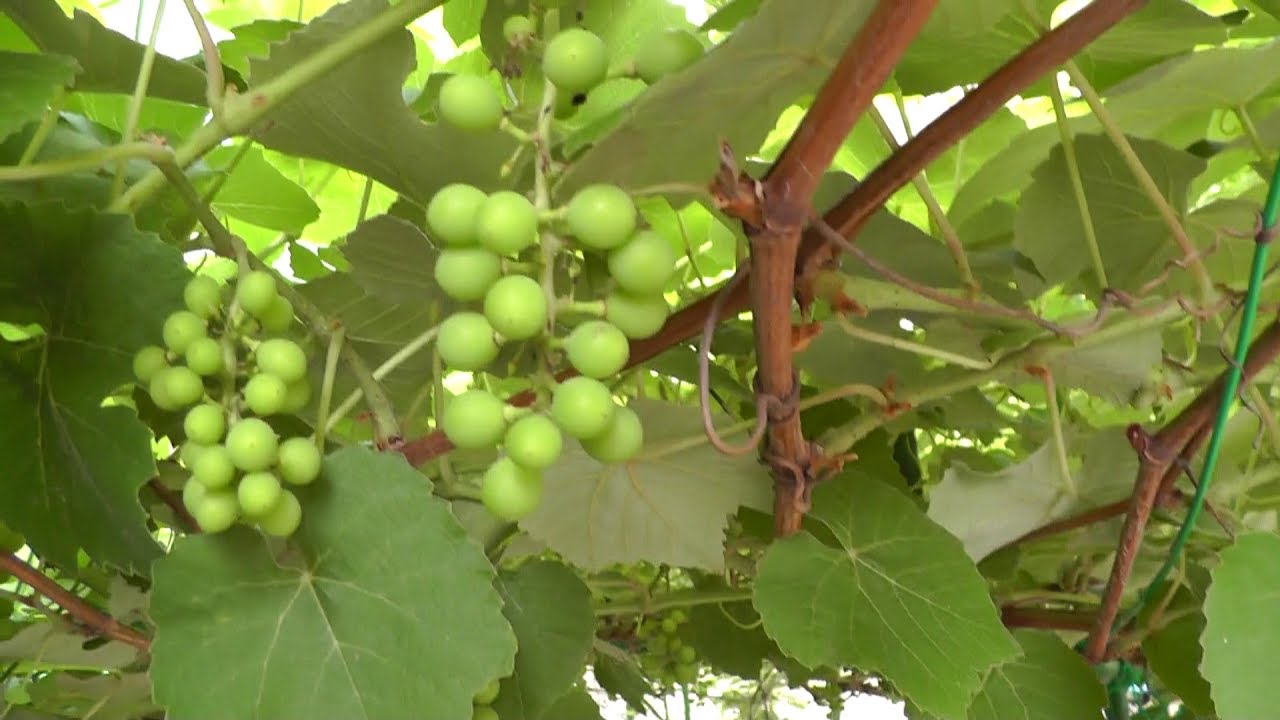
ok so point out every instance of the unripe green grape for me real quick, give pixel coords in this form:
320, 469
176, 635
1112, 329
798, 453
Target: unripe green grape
582, 407
258, 492
191, 452
686, 673
575, 60
203, 296
686, 655
484, 712
517, 29
181, 329
296, 396
264, 394
182, 387
534, 441
451, 214
597, 349
253, 445
283, 358
148, 362
213, 468
205, 423
506, 223
637, 316
601, 216
644, 264
256, 291
670, 626
474, 420
516, 307
466, 274
283, 519
620, 442
204, 357
466, 341
488, 693
666, 52
279, 317
509, 491
470, 103
193, 493
216, 511
299, 461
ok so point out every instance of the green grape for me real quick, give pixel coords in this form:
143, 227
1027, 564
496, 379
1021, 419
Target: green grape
181, 329
582, 407
283, 358
299, 461
601, 217
637, 316
203, 296
451, 214
258, 492
193, 493
517, 30
216, 511
644, 264
666, 52
597, 349
652, 664
265, 394
205, 423
256, 291
488, 693
470, 103
466, 341
466, 274
297, 395
149, 361
181, 388
283, 519
204, 357
253, 445
621, 441
516, 307
484, 712
686, 655
575, 60
506, 223
279, 317
686, 673
534, 442
669, 625
509, 491
474, 420
213, 468
190, 452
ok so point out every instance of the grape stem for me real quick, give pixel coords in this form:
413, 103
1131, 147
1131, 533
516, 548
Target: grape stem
409, 350
336, 341
550, 243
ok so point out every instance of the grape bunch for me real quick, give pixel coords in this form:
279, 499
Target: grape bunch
666, 657
481, 704
496, 249
227, 366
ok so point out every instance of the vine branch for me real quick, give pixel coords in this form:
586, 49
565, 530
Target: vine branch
91, 617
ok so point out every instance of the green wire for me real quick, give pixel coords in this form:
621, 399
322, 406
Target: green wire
1261, 248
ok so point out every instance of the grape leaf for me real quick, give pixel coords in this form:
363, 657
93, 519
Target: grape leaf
102, 697
897, 597
671, 133
292, 633
669, 505
27, 83
101, 290
1050, 680
47, 643
1112, 370
1173, 649
577, 704
394, 261
621, 677
1242, 629
550, 610
356, 116
1133, 241
462, 19
109, 61
729, 637
257, 193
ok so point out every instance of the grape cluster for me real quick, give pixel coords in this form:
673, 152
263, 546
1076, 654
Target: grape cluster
493, 249
666, 657
481, 704
227, 366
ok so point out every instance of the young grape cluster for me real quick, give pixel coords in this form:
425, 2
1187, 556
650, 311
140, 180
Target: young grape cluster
226, 365
666, 657
492, 256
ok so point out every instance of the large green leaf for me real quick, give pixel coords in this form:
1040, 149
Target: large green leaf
671, 133
1049, 681
109, 61
1113, 370
1242, 628
550, 610
896, 596
356, 116
668, 505
27, 83
393, 260
1173, 650
379, 607
257, 193
101, 290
